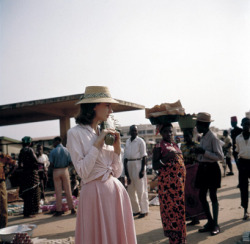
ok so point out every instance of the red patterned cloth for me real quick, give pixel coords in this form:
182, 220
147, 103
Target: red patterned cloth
171, 184
6, 164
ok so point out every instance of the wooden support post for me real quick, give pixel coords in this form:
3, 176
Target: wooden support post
64, 127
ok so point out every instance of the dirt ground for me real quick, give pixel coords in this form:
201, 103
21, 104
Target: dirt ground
149, 229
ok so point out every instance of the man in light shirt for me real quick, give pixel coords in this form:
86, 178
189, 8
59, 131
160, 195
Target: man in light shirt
243, 149
135, 169
227, 149
60, 159
208, 175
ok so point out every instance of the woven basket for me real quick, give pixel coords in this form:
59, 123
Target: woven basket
187, 121
164, 119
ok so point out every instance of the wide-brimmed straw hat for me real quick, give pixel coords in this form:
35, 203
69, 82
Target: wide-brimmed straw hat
203, 117
97, 94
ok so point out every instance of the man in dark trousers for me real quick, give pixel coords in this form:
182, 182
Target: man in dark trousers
208, 175
234, 133
243, 149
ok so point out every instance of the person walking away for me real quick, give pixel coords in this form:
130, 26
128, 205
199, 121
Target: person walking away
104, 214
227, 150
135, 155
42, 169
243, 150
208, 175
7, 167
29, 188
193, 206
168, 161
60, 159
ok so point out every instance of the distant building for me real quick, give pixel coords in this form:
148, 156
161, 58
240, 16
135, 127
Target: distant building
148, 133
10, 146
46, 142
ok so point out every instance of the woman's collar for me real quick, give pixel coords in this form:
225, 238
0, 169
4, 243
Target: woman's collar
89, 128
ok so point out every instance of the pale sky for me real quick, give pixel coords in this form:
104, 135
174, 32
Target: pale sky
146, 51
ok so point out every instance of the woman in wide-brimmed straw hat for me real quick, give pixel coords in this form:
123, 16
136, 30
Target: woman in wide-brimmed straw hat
104, 213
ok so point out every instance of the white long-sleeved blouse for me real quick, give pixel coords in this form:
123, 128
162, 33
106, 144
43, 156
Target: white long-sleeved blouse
91, 163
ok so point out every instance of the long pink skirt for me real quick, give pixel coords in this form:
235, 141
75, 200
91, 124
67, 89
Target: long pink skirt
104, 214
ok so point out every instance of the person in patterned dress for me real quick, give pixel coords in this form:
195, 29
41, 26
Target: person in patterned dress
29, 189
168, 161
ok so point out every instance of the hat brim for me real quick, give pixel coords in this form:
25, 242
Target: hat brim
203, 120
97, 100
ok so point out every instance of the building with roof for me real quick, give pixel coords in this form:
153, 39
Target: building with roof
148, 133
10, 146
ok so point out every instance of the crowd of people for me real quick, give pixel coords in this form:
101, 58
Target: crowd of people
186, 173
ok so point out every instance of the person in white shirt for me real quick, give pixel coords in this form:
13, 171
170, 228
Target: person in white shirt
227, 150
135, 169
42, 169
243, 149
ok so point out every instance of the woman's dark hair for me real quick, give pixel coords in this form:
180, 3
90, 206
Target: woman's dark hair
86, 114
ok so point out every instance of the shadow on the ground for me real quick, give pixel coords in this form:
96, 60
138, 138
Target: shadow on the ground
232, 240
157, 236
58, 235
196, 237
154, 236
223, 189
37, 220
230, 196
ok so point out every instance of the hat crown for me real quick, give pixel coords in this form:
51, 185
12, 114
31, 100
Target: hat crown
97, 94
204, 117
98, 90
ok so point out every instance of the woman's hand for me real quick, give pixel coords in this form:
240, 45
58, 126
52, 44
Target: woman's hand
117, 143
100, 140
